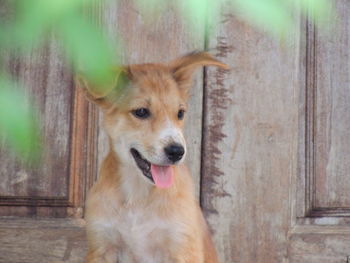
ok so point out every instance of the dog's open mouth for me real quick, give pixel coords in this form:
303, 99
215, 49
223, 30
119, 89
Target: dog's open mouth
143, 164
161, 176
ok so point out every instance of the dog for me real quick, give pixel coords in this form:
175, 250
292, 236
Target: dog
142, 207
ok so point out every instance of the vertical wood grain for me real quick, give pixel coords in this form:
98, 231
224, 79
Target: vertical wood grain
332, 112
48, 86
55, 187
249, 149
331, 246
157, 39
42, 240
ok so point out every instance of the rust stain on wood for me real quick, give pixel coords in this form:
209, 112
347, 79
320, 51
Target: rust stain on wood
217, 101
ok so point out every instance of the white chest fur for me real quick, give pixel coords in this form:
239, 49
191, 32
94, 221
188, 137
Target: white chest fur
144, 237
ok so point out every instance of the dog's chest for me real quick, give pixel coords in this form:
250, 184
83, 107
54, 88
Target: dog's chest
148, 237
137, 226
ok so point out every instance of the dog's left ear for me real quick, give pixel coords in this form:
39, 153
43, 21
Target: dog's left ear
104, 96
183, 68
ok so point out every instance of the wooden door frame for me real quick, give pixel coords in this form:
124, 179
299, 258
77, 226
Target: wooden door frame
68, 231
83, 168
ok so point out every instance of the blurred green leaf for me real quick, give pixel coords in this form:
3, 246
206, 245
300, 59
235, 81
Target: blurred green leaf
201, 14
272, 15
86, 46
29, 23
17, 123
196, 11
317, 10
32, 19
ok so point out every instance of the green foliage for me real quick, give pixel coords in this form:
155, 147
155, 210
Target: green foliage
273, 16
317, 10
276, 16
32, 19
82, 42
270, 14
17, 123
86, 48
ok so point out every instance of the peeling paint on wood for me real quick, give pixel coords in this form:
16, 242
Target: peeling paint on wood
217, 97
249, 127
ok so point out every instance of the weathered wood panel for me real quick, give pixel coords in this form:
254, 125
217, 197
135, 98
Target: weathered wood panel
314, 245
322, 181
41, 241
320, 232
332, 112
158, 39
55, 187
48, 188
249, 135
48, 84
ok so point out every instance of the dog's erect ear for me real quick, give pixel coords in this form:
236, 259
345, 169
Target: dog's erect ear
183, 68
105, 95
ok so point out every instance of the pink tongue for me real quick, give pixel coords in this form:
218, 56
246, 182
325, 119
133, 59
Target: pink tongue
162, 175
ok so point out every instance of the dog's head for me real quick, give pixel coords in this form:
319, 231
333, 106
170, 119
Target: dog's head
144, 111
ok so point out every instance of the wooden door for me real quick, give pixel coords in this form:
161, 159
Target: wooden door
276, 159
41, 205
322, 208
269, 140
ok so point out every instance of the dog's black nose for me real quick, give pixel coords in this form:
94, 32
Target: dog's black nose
174, 152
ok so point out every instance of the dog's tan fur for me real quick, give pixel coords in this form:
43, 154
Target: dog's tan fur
128, 218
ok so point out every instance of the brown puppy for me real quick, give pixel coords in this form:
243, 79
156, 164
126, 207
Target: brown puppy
142, 208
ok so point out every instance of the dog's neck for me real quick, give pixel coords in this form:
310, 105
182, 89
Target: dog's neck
134, 188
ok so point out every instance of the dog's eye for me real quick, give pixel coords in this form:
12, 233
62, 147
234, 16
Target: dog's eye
141, 113
181, 114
